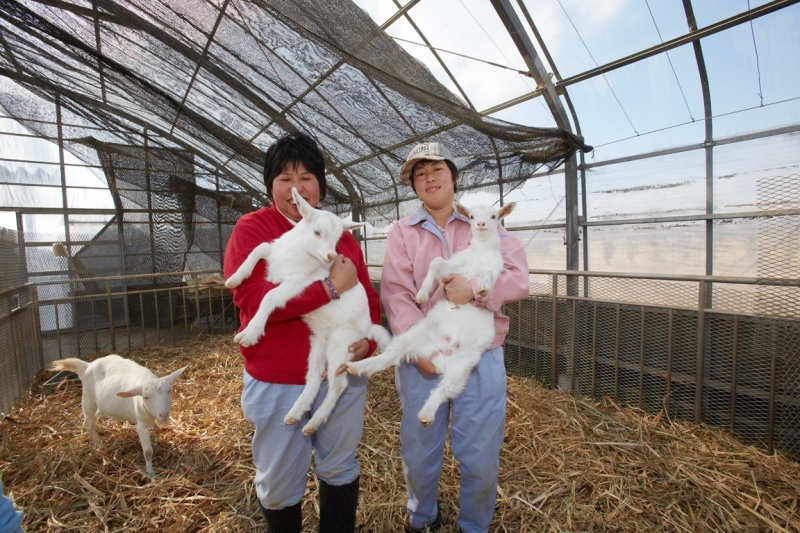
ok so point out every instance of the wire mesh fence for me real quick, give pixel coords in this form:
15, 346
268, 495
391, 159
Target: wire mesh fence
609, 336
131, 311
19, 359
51, 320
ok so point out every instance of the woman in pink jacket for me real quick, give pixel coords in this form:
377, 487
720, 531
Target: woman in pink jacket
477, 416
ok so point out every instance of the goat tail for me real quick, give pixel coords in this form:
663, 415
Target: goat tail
71, 364
379, 334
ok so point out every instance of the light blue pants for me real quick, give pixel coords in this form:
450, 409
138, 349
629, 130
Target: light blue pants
476, 434
282, 454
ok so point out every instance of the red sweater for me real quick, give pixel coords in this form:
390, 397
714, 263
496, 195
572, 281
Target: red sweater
281, 355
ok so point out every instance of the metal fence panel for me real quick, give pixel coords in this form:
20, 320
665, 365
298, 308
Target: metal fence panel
736, 371
665, 345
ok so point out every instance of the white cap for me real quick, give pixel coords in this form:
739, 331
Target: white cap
430, 150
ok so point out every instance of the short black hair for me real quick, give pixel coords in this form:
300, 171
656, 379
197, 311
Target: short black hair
450, 165
289, 150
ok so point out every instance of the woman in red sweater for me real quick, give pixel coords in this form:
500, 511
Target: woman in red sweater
275, 367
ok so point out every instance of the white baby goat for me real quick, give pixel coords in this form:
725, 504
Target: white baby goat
295, 259
453, 336
120, 389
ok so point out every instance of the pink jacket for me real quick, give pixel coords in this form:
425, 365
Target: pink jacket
412, 244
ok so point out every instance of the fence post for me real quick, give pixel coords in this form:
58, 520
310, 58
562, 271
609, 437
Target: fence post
773, 374
554, 337
37, 325
701, 351
110, 311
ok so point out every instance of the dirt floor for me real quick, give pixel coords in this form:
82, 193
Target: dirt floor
568, 464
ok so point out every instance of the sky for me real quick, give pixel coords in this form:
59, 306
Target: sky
649, 106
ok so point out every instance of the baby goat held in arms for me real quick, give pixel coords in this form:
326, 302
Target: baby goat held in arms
297, 258
118, 388
453, 336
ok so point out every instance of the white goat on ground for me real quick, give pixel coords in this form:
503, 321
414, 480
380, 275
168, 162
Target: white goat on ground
295, 259
453, 336
118, 388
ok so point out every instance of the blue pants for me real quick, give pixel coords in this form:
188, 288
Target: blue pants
10, 516
282, 454
476, 434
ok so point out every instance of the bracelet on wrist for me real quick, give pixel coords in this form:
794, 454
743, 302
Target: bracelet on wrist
334, 294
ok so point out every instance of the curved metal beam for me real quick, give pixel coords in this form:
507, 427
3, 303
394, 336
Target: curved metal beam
545, 81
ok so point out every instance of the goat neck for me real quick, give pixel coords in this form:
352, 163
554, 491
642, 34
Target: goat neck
486, 239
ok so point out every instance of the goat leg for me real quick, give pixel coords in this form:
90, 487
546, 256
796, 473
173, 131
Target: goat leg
147, 448
246, 268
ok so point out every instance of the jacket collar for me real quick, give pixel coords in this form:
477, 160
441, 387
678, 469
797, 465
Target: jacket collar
422, 215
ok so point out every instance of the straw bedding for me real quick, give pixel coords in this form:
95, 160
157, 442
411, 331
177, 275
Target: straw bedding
567, 464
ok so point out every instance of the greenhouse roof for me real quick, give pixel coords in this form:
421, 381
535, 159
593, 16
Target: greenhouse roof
509, 87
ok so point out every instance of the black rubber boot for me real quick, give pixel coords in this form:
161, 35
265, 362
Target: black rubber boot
286, 520
337, 507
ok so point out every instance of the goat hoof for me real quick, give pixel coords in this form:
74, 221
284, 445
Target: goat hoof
352, 371
245, 339
426, 422
290, 421
309, 431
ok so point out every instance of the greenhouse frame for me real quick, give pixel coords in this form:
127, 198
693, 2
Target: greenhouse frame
653, 150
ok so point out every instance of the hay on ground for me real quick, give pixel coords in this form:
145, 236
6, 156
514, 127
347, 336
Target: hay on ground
568, 464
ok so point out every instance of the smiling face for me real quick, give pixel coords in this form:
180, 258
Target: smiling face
294, 174
434, 184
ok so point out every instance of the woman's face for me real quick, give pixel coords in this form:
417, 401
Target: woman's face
433, 183
294, 175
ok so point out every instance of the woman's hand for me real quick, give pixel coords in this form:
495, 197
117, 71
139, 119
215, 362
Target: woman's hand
343, 274
359, 350
458, 290
426, 367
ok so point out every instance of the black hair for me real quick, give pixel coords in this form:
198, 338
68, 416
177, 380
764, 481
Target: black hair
289, 150
450, 165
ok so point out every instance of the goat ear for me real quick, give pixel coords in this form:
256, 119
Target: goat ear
172, 377
130, 393
350, 226
306, 210
506, 210
461, 210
